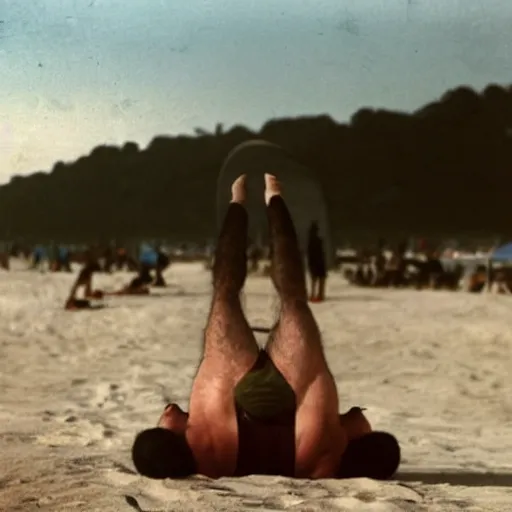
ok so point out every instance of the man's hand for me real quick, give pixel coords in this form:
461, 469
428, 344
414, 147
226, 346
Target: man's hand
355, 423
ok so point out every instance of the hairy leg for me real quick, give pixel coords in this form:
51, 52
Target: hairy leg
295, 341
295, 344
230, 349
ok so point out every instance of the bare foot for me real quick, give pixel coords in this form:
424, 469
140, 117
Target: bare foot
238, 192
272, 187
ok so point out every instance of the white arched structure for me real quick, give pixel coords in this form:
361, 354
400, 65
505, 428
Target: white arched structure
301, 190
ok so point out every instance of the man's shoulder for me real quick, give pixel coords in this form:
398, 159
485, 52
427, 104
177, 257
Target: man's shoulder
319, 450
215, 448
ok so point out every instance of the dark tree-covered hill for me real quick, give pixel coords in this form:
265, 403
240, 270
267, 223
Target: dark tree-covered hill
442, 170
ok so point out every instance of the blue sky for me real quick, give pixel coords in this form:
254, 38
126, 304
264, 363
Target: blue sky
78, 73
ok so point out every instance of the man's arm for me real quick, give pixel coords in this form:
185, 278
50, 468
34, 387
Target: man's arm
319, 445
355, 423
212, 428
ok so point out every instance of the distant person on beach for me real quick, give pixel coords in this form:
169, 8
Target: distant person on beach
4, 260
316, 264
379, 263
162, 262
62, 259
108, 257
150, 259
148, 256
84, 280
139, 285
154, 258
272, 411
121, 258
38, 256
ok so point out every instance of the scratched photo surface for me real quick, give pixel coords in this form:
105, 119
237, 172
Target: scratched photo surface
116, 118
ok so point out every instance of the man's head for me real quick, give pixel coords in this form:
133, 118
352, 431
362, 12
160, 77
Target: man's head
163, 452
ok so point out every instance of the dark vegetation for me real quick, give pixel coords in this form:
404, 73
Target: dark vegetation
443, 170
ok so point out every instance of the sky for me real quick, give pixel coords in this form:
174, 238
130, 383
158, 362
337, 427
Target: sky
78, 73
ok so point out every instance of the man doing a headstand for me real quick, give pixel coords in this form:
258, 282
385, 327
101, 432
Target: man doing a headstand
272, 411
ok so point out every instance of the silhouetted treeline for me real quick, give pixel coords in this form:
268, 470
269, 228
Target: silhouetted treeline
444, 169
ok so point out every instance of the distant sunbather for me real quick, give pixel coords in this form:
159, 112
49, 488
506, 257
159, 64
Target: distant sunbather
139, 285
84, 280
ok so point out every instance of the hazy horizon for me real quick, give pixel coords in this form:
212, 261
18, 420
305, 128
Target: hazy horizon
88, 72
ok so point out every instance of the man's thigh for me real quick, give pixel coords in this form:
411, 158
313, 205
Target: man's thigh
320, 438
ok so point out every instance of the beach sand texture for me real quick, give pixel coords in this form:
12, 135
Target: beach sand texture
434, 368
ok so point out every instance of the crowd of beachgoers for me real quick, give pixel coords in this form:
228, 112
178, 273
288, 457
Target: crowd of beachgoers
381, 266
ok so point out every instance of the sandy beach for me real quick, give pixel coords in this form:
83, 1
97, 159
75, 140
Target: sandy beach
431, 367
